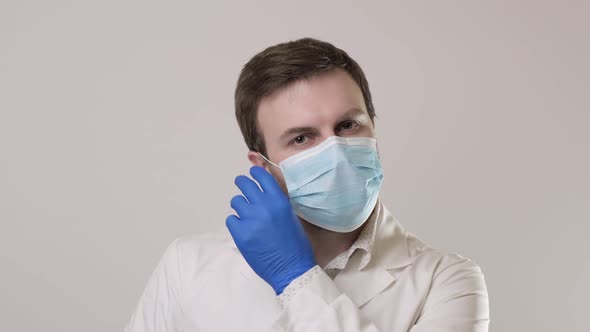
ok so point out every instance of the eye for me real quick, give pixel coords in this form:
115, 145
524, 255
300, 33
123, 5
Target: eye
301, 139
349, 125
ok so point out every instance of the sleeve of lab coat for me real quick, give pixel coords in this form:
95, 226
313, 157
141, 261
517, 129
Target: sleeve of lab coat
320, 306
457, 302
159, 307
458, 299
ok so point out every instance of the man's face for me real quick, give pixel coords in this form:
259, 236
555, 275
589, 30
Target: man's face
305, 113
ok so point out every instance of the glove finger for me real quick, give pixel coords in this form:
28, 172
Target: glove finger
266, 180
241, 206
232, 222
249, 188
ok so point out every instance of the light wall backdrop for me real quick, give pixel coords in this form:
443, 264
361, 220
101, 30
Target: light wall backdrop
117, 135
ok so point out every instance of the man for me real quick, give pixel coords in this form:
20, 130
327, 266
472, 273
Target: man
311, 247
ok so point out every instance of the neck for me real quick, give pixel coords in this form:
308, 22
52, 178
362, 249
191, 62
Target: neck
327, 244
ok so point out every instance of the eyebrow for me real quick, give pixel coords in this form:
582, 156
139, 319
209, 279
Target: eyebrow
298, 130
351, 113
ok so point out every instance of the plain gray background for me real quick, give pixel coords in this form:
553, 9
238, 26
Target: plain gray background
117, 135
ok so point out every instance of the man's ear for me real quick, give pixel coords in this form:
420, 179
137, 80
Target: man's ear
256, 159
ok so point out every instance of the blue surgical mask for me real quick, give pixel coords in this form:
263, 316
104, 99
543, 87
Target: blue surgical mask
334, 185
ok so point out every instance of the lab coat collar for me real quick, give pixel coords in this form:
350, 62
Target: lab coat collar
389, 248
390, 251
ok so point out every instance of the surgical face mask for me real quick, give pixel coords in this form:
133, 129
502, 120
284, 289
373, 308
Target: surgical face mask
335, 184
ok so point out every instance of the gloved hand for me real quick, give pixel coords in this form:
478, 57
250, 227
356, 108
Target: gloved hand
267, 232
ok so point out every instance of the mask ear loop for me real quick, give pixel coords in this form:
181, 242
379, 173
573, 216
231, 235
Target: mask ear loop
270, 162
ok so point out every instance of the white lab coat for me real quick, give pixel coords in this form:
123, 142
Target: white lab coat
202, 283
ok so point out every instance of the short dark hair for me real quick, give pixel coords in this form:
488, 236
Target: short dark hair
280, 65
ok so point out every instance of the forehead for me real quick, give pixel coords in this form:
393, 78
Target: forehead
312, 102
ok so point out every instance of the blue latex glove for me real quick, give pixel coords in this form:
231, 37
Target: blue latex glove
267, 232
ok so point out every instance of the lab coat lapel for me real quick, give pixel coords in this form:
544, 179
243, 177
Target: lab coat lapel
390, 252
362, 286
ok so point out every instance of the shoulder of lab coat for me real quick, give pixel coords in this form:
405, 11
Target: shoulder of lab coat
442, 291
161, 306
